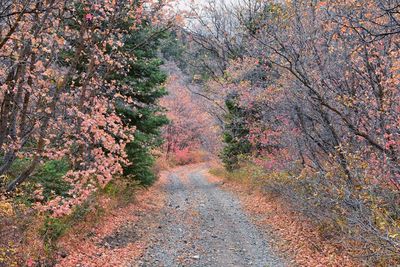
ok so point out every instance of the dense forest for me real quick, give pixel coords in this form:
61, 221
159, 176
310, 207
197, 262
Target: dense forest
299, 99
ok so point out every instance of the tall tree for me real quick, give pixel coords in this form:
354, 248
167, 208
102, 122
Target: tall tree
145, 81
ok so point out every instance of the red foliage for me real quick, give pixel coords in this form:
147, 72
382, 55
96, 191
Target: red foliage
191, 128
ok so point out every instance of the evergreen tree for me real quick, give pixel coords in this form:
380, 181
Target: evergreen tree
235, 134
145, 79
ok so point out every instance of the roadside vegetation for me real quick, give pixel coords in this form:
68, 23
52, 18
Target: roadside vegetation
80, 118
307, 97
299, 100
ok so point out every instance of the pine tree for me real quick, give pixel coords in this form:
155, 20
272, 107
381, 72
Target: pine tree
235, 134
145, 79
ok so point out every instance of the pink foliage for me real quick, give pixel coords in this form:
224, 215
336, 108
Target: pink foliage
191, 128
68, 110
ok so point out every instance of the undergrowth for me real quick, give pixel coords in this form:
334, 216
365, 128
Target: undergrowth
187, 157
352, 222
28, 237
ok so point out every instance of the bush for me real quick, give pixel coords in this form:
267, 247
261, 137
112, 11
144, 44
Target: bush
360, 222
50, 177
79, 213
186, 156
52, 230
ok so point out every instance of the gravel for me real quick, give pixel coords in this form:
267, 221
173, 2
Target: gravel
202, 225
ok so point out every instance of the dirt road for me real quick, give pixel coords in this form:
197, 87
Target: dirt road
202, 225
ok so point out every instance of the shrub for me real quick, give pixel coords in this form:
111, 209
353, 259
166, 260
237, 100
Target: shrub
50, 177
52, 230
186, 156
358, 221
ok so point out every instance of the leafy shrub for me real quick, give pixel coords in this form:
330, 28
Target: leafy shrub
111, 190
52, 230
359, 221
186, 156
79, 213
50, 177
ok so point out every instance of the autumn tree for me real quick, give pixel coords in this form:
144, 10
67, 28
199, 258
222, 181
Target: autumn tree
318, 87
62, 63
191, 129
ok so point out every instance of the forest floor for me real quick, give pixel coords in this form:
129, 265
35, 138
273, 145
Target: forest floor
190, 218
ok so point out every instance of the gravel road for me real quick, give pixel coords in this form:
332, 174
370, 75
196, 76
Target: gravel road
202, 225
